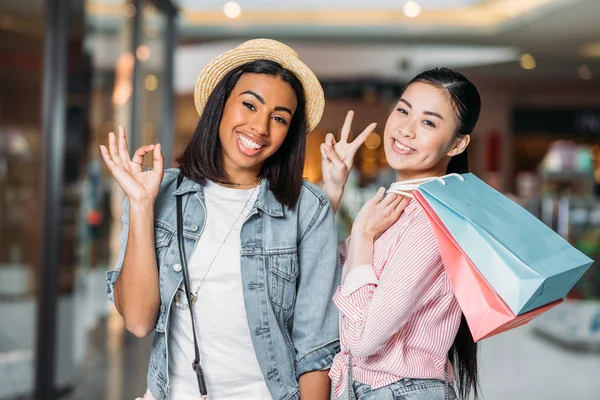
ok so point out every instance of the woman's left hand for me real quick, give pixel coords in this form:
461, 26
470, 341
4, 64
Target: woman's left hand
338, 157
378, 214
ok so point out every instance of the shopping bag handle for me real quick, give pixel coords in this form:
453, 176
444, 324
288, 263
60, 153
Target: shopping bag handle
405, 188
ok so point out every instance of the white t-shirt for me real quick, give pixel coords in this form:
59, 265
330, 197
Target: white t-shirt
226, 352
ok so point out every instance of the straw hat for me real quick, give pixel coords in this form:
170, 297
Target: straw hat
262, 49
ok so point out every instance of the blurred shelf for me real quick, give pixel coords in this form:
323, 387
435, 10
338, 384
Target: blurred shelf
574, 324
567, 176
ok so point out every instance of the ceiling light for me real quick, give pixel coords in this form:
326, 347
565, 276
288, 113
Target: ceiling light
527, 61
151, 82
123, 78
143, 52
129, 10
373, 141
411, 9
232, 10
584, 72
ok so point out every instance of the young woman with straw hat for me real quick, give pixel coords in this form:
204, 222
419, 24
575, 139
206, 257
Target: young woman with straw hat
231, 259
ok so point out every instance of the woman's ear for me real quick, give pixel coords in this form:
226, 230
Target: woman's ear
460, 145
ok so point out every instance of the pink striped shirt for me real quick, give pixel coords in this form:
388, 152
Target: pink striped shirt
399, 315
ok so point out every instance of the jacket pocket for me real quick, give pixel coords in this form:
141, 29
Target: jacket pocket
283, 274
163, 236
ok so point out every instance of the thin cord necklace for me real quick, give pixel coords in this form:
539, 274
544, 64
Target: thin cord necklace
195, 297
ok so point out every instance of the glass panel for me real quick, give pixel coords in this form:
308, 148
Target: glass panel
21, 52
96, 356
150, 54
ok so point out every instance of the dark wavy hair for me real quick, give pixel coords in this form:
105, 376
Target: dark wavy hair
202, 158
467, 104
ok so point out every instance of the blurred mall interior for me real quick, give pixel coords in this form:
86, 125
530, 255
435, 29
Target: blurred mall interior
72, 70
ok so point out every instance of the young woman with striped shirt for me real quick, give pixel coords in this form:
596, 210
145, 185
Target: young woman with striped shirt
402, 332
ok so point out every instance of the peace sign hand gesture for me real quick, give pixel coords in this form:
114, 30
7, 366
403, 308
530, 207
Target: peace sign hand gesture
338, 158
139, 186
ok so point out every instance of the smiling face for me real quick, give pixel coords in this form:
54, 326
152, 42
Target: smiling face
255, 122
420, 134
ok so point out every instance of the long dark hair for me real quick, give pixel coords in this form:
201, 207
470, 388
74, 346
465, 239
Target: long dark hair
202, 158
467, 104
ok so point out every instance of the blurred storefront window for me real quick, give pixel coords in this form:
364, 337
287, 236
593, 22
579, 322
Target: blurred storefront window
99, 67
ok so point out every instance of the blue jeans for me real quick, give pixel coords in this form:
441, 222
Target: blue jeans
405, 389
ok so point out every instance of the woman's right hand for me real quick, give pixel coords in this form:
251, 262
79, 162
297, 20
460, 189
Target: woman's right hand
139, 186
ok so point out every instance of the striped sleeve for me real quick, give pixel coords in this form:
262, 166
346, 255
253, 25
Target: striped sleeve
356, 292
374, 312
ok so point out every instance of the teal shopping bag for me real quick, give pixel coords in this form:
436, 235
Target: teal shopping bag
523, 260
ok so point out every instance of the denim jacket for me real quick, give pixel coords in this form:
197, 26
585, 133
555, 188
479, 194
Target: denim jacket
290, 270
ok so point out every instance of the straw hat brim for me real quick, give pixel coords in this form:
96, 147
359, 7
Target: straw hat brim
262, 49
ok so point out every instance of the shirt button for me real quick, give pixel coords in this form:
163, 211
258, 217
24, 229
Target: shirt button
177, 267
194, 227
162, 308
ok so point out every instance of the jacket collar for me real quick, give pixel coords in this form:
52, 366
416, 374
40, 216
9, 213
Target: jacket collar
187, 186
266, 200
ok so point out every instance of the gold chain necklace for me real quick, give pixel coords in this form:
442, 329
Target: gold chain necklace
240, 185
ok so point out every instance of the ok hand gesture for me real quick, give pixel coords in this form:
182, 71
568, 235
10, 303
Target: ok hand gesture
139, 186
